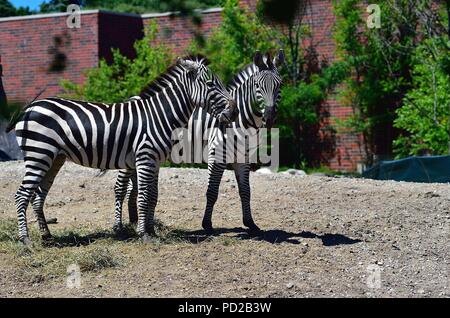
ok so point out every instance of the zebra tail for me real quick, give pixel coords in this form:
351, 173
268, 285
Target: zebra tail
101, 173
17, 116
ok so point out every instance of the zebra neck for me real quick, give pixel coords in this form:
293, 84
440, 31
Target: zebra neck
172, 105
245, 97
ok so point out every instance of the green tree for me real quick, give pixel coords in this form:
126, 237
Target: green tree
123, 78
131, 6
425, 115
234, 43
308, 80
8, 10
381, 63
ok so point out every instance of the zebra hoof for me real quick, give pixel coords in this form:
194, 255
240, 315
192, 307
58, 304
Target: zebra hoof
252, 227
46, 237
146, 238
117, 228
207, 226
26, 241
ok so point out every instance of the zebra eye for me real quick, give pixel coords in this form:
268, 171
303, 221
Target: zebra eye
210, 84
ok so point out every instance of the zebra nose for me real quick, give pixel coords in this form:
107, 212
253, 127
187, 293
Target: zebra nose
269, 116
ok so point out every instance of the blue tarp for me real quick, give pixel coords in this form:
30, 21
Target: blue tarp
413, 169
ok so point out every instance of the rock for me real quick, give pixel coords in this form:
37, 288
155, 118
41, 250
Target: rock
295, 172
289, 285
52, 221
431, 194
264, 171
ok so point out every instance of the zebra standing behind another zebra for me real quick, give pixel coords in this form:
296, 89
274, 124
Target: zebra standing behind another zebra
256, 89
132, 135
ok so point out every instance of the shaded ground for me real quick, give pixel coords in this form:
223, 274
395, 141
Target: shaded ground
322, 237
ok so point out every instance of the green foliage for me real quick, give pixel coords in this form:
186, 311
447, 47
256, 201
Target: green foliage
234, 43
425, 114
130, 6
381, 63
8, 10
123, 78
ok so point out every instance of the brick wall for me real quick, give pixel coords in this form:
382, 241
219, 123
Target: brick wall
28, 45
178, 32
348, 148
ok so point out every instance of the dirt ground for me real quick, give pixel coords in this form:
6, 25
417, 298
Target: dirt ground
323, 237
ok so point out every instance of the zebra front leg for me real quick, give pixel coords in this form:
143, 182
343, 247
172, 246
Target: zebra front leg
146, 175
242, 173
40, 195
153, 200
215, 171
120, 190
132, 197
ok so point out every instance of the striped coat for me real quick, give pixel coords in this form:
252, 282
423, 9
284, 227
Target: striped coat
131, 135
256, 90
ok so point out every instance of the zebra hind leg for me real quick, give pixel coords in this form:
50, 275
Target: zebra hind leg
132, 198
215, 171
35, 171
120, 190
40, 195
147, 175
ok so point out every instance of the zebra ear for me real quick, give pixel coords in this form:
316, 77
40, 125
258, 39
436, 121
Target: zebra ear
279, 59
187, 64
259, 61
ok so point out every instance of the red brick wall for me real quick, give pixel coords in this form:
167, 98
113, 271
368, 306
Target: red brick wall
349, 149
178, 32
28, 47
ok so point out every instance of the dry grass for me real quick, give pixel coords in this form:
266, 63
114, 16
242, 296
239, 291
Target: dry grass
91, 250
44, 261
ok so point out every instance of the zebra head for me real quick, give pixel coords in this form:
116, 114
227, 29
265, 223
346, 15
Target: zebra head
267, 83
208, 91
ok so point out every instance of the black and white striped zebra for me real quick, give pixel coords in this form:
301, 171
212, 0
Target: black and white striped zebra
131, 135
256, 90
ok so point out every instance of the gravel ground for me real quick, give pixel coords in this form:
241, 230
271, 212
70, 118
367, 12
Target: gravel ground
323, 237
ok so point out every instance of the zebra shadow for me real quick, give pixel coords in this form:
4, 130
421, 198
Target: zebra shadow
73, 239
270, 236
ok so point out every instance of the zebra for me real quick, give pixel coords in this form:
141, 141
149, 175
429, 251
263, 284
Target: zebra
131, 135
256, 89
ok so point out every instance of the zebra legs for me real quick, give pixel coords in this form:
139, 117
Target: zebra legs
132, 197
242, 173
215, 171
35, 172
120, 191
40, 194
147, 177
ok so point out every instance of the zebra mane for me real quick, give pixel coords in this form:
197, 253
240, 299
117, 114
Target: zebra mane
163, 80
242, 76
